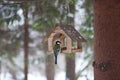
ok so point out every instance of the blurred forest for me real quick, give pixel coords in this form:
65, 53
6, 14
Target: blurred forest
23, 26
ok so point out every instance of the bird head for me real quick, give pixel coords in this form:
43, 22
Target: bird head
58, 42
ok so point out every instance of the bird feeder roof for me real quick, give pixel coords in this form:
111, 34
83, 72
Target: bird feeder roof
70, 31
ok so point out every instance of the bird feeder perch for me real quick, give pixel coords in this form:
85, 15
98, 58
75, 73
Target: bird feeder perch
69, 37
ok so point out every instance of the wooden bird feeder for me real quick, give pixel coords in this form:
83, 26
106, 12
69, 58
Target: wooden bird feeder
70, 38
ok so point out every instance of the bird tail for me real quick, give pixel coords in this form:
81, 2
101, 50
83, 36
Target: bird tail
55, 59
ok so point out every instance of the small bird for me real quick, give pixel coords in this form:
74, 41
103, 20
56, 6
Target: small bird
56, 50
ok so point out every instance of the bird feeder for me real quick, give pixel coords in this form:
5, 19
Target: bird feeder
69, 37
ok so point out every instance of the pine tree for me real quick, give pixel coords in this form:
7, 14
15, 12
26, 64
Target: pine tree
107, 39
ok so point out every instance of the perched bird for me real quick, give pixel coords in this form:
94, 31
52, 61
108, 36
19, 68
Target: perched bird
56, 49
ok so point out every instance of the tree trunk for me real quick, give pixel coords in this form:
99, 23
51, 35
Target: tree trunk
70, 57
50, 71
70, 66
107, 39
26, 41
13, 73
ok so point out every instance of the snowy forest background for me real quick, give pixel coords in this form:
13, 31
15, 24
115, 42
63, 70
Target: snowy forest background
40, 16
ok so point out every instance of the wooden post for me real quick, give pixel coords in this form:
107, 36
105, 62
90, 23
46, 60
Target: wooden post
50, 45
69, 44
79, 45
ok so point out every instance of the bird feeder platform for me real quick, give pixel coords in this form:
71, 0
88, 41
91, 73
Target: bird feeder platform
71, 40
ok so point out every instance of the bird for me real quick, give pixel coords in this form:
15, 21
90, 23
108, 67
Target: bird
56, 50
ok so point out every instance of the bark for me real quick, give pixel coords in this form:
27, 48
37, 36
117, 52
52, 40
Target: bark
0, 66
70, 66
50, 71
70, 57
14, 77
26, 48
107, 39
